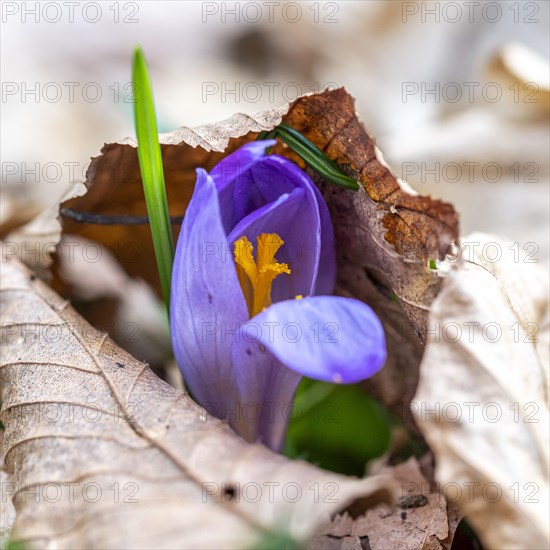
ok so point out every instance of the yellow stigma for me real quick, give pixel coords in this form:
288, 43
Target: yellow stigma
257, 275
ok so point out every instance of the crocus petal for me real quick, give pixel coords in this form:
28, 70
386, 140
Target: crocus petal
262, 183
206, 300
326, 276
288, 216
266, 389
276, 173
228, 171
266, 218
327, 338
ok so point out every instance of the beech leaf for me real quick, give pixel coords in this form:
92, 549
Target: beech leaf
386, 234
102, 453
482, 399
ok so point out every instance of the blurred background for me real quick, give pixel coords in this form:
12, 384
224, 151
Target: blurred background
456, 93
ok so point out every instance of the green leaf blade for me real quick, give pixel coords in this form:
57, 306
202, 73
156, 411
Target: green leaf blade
152, 173
313, 156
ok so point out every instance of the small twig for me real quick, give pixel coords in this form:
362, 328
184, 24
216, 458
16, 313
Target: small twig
100, 219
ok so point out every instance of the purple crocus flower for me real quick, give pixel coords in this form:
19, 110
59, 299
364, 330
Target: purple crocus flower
251, 311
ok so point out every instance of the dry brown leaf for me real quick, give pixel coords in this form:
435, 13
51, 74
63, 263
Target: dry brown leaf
482, 399
110, 300
421, 520
384, 238
7, 511
104, 454
385, 233
387, 221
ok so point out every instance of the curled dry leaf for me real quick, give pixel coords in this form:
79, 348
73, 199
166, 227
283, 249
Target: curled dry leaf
482, 399
154, 438
104, 454
385, 232
421, 519
384, 237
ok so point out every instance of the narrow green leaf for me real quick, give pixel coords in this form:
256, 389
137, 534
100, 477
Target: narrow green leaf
311, 154
152, 174
265, 135
314, 157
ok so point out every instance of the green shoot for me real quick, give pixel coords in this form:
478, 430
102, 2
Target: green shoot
152, 175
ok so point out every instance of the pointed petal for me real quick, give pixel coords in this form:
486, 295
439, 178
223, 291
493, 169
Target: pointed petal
287, 217
248, 181
327, 338
237, 162
263, 183
311, 238
266, 218
206, 300
230, 170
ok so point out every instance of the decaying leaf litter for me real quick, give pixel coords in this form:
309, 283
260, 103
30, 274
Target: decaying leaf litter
386, 237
